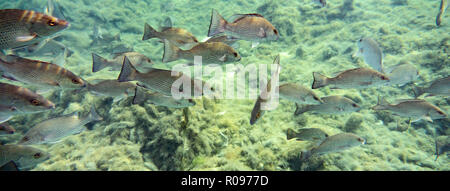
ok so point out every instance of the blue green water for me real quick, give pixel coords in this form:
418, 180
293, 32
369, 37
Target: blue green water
219, 136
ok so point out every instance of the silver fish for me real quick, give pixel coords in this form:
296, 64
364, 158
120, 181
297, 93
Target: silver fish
358, 78
24, 156
20, 28
53, 130
438, 87
266, 95
298, 94
38, 73
142, 95
415, 109
371, 53
335, 143
402, 74
17, 100
139, 60
307, 134
331, 105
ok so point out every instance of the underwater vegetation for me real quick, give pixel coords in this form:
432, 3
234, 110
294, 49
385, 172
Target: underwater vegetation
215, 134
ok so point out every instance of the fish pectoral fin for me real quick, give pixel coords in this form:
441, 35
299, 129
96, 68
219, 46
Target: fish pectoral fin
117, 99
223, 58
25, 38
262, 33
427, 118
255, 44
10, 166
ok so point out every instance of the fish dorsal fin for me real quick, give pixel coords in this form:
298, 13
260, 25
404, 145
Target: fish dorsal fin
117, 54
235, 18
164, 29
408, 100
73, 114
167, 23
10, 166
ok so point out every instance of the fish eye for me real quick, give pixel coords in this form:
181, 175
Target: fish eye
354, 105
26, 139
35, 102
316, 98
76, 81
383, 78
275, 31
441, 113
37, 155
360, 40
235, 54
360, 140
258, 115
52, 23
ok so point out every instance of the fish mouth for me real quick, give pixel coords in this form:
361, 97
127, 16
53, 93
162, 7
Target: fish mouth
65, 24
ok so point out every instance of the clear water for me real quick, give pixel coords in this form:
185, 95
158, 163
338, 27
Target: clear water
218, 135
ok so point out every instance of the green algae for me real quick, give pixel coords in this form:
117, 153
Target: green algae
218, 135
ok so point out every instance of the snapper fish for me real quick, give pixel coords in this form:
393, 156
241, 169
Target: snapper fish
53, 130
330, 105
164, 81
335, 143
139, 60
20, 28
440, 86
250, 27
358, 78
25, 157
415, 109
178, 36
15, 100
39, 73
210, 53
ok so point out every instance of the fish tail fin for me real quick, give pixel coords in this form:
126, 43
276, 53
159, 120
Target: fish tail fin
382, 104
149, 32
290, 134
218, 24
139, 95
128, 72
418, 91
319, 80
98, 63
10, 166
301, 109
171, 52
93, 115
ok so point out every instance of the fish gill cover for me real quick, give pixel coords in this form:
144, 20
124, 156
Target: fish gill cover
215, 133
